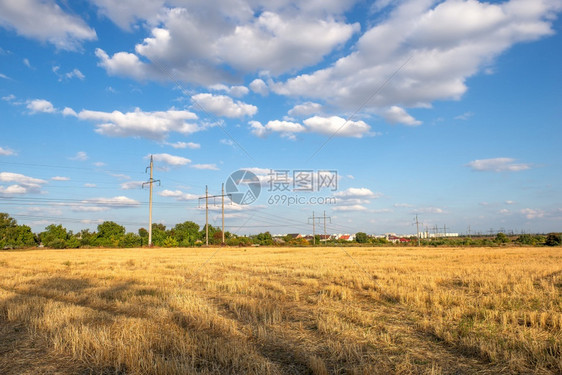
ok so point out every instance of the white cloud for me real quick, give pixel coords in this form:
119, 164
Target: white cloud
441, 43
27, 63
209, 167
169, 159
4, 76
89, 185
182, 145
504, 211
130, 185
6, 152
152, 125
222, 105
337, 126
75, 73
236, 91
428, 210
80, 156
99, 164
305, 109
509, 202
332, 126
532, 213
103, 204
67, 111
357, 193
397, 115
21, 184
40, 105
498, 165
259, 86
354, 207
9, 98
281, 38
178, 195
45, 21
60, 178
228, 142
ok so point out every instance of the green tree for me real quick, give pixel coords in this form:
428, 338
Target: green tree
501, 238
159, 234
57, 237
109, 234
130, 240
553, 239
186, 233
264, 239
13, 235
361, 237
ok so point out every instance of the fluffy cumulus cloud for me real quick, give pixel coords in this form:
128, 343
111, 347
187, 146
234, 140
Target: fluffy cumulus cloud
498, 165
178, 195
191, 145
286, 128
224, 106
259, 86
397, 115
284, 36
152, 125
170, 159
19, 184
531, 213
331, 126
354, 199
44, 20
40, 105
421, 52
236, 91
305, 109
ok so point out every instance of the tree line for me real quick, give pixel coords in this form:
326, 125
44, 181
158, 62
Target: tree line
188, 234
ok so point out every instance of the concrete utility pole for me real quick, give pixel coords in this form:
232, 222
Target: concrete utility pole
206, 197
325, 233
222, 196
150, 182
418, 230
206, 215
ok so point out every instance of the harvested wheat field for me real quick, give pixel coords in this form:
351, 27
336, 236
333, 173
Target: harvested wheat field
281, 311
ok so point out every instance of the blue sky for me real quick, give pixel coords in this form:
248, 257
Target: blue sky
445, 109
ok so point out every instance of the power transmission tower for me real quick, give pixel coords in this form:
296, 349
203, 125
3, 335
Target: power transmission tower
150, 182
444, 230
206, 197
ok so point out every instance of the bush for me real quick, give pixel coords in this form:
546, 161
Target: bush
553, 239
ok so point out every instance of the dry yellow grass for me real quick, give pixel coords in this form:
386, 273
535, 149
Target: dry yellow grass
282, 311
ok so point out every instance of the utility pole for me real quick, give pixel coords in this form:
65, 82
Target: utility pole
444, 230
313, 218
222, 196
206, 215
469, 231
206, 197
325, 233
418, 230
150, 182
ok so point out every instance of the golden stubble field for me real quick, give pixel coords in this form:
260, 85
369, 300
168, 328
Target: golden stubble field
281, 311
